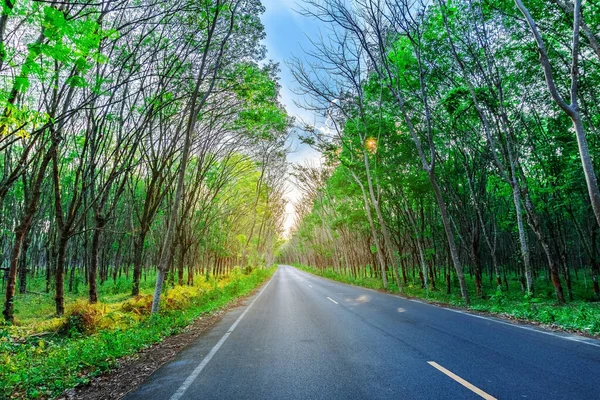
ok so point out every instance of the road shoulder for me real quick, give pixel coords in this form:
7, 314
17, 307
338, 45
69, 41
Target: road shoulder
569, 334
136, 369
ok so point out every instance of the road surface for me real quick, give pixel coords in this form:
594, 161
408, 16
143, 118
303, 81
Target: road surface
305, 337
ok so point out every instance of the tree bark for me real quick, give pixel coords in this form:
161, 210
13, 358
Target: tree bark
380, 256
94, 258
21, 231
572, 109
23, 266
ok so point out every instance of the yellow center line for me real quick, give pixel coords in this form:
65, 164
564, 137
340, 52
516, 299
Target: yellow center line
460, 380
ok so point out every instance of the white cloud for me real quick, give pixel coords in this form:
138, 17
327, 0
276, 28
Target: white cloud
287, 32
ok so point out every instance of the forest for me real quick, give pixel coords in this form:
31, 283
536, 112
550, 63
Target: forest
144, 157
142, 148
461, 150
136, 134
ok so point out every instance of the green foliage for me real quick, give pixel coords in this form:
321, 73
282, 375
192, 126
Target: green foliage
82, 318
36, 367
582, 316
261, 116
330, 273
450, 139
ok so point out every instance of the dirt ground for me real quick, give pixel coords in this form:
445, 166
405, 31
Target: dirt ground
134, 369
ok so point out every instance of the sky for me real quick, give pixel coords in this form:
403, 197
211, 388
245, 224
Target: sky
288, 34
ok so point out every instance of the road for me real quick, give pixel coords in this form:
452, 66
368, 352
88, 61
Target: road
305, 337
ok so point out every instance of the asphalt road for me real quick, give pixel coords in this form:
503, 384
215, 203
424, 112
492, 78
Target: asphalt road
305, 337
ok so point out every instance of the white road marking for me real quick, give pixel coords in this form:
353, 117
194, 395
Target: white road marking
460, 380
330, 299
310, 285
572, 338
190, 379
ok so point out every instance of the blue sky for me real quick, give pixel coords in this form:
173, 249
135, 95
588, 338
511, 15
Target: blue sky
288, 34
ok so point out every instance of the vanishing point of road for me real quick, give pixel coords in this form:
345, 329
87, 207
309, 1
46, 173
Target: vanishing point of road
305, 337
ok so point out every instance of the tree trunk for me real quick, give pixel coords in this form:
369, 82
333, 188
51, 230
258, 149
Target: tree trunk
380, 256
572, 109
23, 266
387, 241
138, 253
450, 237
59, 276
21, 231
94, 258
522, 238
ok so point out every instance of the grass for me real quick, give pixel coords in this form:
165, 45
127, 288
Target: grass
35, 311
90, 339
581, 315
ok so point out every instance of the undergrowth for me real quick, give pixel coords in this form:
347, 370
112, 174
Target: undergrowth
582, 315
90, 339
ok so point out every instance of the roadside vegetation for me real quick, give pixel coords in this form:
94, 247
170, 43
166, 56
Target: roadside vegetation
44, 355
580, 316
459, 154
143, 161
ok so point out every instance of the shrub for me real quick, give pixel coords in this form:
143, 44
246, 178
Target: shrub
140, 305
82, 318
43, 368
180, 297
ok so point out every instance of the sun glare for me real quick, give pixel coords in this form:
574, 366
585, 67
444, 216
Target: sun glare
371, 145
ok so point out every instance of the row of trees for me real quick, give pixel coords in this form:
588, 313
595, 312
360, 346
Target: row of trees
136, 135
460, 137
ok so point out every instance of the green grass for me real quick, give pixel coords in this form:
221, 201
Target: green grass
581, 315
43, 367
36, 310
